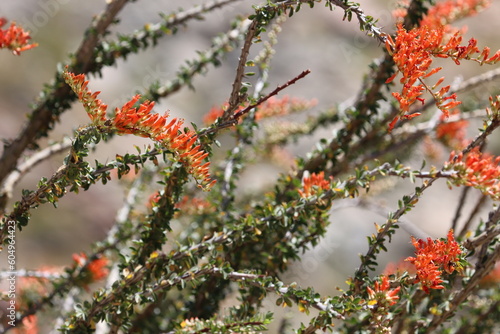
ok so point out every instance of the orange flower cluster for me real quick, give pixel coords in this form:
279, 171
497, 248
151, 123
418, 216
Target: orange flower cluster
313, 184
216, 112
413, 52
283, 106
479, 170
142, 122
432, 257
401, 9
186, 206
14, 38
96, 268
493, 277
446, 12
270, 108
381, 295
212, 115
93, 106
452, 133
192, 205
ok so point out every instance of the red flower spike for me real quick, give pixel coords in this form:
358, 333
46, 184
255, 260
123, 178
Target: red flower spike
412, 53
391, 79
479, 170
393, 123
494, 58
452, 133
381, 294
314, 184
270, 108
410, 116
189, 206
446, 12
433, 71
286, 105
93, 106
29, 325
96, 268
140, 121
493, 278
14, 38
485, 53
399, 268
216, 112
212, 115
443, 91
432, 257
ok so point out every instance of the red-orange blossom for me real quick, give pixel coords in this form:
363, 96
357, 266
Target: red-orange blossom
14, 38
140, 121
413, 52
432, 257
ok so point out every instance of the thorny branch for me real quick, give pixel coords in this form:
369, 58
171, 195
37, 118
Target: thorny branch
220, 45
366, 23
234, 119
41, 117
236, 97
26, 166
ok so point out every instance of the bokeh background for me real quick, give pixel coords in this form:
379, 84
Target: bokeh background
336, 52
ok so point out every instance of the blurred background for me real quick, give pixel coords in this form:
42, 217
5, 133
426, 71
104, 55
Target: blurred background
336, 52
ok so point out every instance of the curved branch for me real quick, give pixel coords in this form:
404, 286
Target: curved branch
25, 167
57, 100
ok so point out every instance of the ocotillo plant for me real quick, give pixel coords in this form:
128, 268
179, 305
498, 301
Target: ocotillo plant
192, 251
